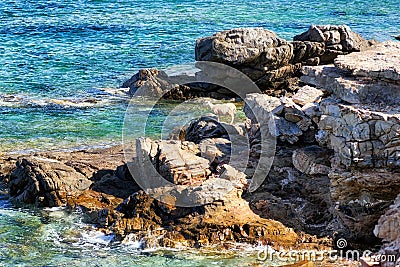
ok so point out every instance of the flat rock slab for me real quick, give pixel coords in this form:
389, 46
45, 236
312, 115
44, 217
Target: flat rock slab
352, 89
382, 61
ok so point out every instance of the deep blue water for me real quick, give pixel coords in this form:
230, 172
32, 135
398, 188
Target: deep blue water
56, 58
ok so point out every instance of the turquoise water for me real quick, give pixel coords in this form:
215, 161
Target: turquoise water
69, 50
56, 238
58, 56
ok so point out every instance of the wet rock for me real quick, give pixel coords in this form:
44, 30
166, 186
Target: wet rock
97, 208
226, 221
45, 182
337, 40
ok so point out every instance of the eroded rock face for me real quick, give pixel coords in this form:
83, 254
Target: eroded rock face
257, 52
176, 161
368, 77
257, 47
337, 40
222, 222
361, 135
283, 118
388, 229
45, 182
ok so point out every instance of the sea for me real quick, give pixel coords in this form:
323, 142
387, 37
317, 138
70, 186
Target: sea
60, 65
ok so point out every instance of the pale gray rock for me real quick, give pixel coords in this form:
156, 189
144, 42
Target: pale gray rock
307, 94
388, 229
361, 135
284, 118
262, 106
355, 90
312, 160
380, 62
258, 47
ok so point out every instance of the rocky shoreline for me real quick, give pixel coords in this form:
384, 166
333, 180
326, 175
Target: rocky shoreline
330, 99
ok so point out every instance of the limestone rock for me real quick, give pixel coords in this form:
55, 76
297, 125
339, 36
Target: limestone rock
362, 136
219, 223
361, 197
355, 90
45, 182
307, 94
97, 208
382, 61
258, 47
283, 118
176, 161
388, 229
307, 52
337, 39
216, 150
312, 160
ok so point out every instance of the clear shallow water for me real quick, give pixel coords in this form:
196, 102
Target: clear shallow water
57, 56
57, 238
69, 49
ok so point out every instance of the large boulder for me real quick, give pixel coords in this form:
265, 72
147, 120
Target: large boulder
45, 182
337, 40
257, 52
256, 47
